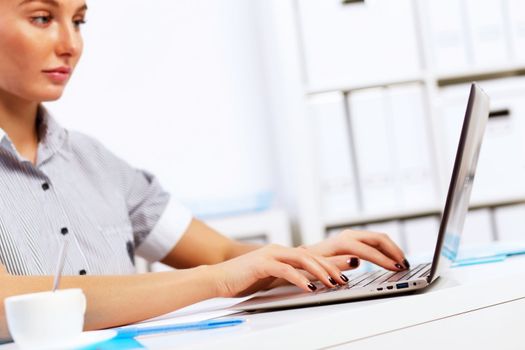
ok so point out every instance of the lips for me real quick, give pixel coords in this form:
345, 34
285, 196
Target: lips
61, 70
58, 75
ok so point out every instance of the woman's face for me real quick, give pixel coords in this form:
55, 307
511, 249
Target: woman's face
40, 45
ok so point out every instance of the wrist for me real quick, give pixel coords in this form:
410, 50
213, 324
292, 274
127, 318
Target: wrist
241, 248
208, 279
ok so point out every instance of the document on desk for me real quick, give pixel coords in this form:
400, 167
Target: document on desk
204, 310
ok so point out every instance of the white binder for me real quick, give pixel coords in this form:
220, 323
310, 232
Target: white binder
420, 235
477, 230
334, 157
373, 140
357, 43
501, 166
413, 157
487, 32
516, 16
510, 223
445, 20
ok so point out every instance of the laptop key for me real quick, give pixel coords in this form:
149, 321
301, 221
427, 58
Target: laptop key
424, 272
385, 277
357, 278
398, 276
369, 279
415, 271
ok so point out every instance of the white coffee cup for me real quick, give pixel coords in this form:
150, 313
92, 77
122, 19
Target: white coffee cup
46, 320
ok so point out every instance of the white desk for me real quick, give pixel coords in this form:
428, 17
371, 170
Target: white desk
473, 315
470, 315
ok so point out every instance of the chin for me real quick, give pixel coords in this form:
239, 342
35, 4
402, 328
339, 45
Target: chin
51, 95
50, 98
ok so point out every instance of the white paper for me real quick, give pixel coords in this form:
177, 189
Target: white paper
204, 310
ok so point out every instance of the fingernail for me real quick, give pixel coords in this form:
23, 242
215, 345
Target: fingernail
353, 262
406, 263
399, 266
332, 280
344, 278
312, 286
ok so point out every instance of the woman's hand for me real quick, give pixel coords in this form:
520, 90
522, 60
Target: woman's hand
375, 247
252, 271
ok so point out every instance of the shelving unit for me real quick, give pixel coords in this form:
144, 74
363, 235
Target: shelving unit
294, 66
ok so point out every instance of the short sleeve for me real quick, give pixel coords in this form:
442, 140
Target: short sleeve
158, 220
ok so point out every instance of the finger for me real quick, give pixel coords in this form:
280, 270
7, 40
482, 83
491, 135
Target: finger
375, 256
282, 270
301, 258
345, 262
384, 244
336, 276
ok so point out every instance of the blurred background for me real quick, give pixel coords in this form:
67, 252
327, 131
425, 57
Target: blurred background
288, 120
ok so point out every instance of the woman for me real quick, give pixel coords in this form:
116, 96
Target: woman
61, 185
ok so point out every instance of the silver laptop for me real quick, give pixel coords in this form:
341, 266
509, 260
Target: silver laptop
382, 282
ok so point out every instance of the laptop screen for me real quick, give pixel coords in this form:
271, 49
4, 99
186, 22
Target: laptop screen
458, 197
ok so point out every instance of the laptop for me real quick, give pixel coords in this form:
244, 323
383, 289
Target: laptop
382, 283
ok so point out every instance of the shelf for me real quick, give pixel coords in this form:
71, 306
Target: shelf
442, 79
413, 214
489, 73
366, 85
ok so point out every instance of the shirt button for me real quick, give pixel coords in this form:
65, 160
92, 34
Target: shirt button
64, 231
45, 186
82, 272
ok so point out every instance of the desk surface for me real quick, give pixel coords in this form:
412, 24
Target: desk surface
483, 311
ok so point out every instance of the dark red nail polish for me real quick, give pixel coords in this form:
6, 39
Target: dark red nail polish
406, 263
344, 278
399, 267
331, 280
312, 286
353, 262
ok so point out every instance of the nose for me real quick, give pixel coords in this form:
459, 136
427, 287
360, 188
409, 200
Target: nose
69, 41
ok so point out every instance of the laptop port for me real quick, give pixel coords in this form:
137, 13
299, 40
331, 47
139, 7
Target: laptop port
402, 285
390, 287
380, 289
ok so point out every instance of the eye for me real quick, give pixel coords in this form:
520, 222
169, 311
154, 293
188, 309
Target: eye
79, 22
41, 20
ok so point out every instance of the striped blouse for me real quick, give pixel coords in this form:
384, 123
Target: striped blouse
78, 191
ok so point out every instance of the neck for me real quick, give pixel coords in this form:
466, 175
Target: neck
18, 120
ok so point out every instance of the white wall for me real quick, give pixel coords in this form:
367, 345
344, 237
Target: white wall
177, 87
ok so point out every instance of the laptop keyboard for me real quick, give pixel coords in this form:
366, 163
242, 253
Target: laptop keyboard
383, 277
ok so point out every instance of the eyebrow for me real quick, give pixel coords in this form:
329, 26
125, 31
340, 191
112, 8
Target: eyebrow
53, 3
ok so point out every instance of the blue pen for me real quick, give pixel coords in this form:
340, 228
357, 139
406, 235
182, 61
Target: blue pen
131, 332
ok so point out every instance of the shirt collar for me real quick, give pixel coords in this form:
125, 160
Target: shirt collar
2, 135
50, 133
